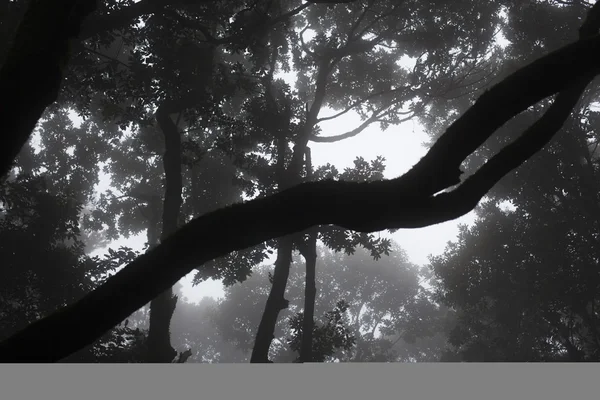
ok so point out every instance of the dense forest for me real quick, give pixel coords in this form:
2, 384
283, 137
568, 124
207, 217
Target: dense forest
193, 125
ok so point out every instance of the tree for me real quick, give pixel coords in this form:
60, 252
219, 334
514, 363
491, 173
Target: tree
36, 214
54, 28
408, 201
349, 72
383, 310
120, 75
522, 279
529, 272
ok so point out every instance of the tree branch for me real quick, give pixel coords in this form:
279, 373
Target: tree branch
336, 138
362, 101
28, 86
520, 90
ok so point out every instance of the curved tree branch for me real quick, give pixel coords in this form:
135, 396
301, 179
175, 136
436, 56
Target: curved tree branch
336, 138
362, 101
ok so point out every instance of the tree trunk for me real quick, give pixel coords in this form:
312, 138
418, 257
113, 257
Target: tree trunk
275, 302
163, 306
310, 293
28, 86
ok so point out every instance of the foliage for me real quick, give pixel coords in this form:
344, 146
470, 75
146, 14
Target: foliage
522, 279
381, 302
245, 83
58, 272
332, 334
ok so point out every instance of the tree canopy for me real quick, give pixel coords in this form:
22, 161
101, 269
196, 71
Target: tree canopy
192, 124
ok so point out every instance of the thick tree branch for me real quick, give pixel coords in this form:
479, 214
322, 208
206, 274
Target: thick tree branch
520, 90
31, 74
537, 135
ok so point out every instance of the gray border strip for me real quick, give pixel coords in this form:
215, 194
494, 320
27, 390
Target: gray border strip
295, 381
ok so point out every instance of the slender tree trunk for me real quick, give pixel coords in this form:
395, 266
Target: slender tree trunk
161, 310
359, 353
309, 251
285, 178
310, 294
163, 306
159, 334
275, 302
288, 178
